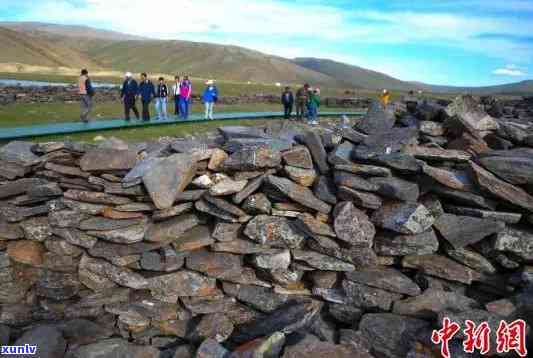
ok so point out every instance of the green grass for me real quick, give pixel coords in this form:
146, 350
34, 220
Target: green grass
181, 130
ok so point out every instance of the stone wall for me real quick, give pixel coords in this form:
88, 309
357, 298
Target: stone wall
16, 94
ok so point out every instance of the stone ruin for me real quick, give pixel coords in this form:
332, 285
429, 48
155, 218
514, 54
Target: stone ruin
351, 243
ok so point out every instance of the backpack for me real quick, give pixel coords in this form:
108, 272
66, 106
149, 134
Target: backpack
89, 87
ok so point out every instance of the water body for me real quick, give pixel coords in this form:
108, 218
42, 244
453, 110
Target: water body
26, 83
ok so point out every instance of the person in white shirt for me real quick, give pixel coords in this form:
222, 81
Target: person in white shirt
176, 95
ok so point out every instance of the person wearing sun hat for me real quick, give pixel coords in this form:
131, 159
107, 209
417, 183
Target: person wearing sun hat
128, 95
210, 97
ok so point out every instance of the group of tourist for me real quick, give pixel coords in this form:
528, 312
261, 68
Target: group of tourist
307, 101
147, 92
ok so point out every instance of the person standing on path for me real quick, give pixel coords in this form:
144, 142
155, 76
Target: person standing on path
147, 92
185, 97
312, 105
302, 98
128, 95
161, 99
176, 95
86, 92
287, 99
210, 97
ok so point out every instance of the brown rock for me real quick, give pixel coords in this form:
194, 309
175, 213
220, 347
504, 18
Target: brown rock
26, 252
108, 159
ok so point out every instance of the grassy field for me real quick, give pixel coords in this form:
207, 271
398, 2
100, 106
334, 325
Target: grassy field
18, 115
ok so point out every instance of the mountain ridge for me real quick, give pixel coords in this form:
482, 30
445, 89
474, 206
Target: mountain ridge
82, 46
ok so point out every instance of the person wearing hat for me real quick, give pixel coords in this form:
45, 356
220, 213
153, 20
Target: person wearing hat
302, 98
146, 92
185, 97
128, 95
385, 98
161, 99
287, 99
210, 97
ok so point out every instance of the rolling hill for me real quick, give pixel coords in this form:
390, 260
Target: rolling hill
42, 44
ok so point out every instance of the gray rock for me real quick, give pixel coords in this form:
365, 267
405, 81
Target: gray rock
391, 335
385, 278
289, 318
168, 287
506, 217
193, 239
114, 348
108, 159
390, 244
324, 189
360, 256
364, 170
273, 231
377, 120
403, 163
252, 186
299, 157
438, 154
83, 331
516, 240
359, 198
322, 262
120, 275
354, 182
260, 298
313, 141
353, 225
226, 232
501, 189
442, 267
342, 154
395, 188
171, 229
275, 261
95, 197
298, 193
168, 177
257, 204
48, 340
210, 348
391, 141
472, 259
367, 297
252, 159
429, 304
215, 264
174, 211
408, 218
312, 347
19, 153
20, 186
75, 237
311, 226
461, 231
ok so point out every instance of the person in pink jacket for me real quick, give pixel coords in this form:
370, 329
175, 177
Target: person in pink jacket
185, 97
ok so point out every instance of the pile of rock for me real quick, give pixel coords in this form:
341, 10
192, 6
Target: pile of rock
354, 243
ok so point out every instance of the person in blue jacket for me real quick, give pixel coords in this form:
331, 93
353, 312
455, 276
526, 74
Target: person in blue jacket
146, 92
210, 97
128, 95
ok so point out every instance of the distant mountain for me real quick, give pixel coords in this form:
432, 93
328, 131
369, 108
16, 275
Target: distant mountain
45, 29
19, 47
353, 76
367, 79
41, 44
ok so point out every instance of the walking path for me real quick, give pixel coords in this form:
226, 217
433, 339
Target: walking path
99, 125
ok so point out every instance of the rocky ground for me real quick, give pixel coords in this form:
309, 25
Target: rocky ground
346, 240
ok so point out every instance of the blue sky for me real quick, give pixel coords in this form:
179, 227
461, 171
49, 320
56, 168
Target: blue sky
454, 42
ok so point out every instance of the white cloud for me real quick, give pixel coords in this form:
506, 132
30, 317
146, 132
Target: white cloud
509, 70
